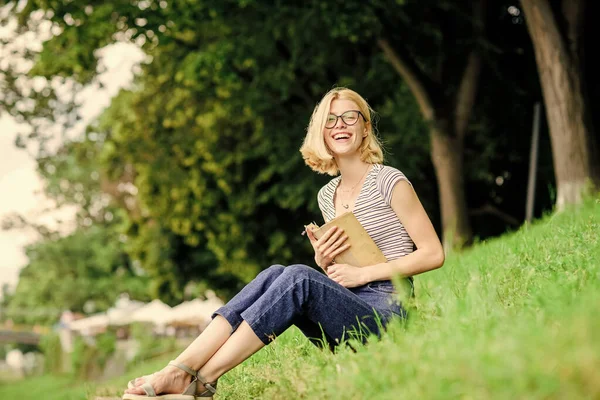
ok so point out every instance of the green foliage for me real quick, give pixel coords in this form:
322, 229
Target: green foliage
212, 173
206, 142
89, 358
53, 353
88, 266
106, 345
80, 357
149, 345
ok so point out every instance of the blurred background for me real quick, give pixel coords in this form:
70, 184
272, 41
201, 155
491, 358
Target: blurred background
149, 149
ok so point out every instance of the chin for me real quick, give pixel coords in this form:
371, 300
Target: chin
345, 153
344, 150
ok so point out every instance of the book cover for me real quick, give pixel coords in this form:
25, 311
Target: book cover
362, 252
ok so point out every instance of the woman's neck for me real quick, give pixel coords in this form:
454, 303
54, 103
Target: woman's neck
351, 169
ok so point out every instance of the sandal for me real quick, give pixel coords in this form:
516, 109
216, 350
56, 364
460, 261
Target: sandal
190, 392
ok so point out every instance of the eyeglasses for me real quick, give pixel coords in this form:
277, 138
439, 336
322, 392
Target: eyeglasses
349, 118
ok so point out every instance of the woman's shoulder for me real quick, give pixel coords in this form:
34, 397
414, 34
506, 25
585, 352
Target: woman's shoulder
387, 169
387, 172
387, 177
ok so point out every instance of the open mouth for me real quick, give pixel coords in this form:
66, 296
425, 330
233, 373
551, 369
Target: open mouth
341, 136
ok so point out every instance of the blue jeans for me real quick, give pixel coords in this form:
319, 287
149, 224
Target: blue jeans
280, 297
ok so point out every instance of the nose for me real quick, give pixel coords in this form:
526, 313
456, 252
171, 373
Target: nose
340, 123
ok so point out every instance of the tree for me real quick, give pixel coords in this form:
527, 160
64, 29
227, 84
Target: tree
436, 48
86, 267
209, 138
445, 95
556, 29
202, 153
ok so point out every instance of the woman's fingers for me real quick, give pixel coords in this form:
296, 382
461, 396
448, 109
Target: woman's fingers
331, 249
328, 235
311, 235
340, 250
326, 244
339, 242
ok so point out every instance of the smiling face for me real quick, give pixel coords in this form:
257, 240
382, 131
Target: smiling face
344, 139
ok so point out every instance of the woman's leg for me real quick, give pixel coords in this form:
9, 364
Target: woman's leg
195, 355
298, 291
301, 291
249, 295
314, 333
226, 320
241, 345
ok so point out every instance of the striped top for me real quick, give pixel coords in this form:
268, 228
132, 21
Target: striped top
372, 209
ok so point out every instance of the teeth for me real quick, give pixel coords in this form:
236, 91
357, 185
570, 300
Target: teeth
341, 137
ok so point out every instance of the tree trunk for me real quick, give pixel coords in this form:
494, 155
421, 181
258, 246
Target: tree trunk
447, 157
448, 118
558, 55
446, 149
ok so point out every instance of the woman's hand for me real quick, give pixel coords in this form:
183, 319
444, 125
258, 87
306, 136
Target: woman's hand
328, 246
346, 275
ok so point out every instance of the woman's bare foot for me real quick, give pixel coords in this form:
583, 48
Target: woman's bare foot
169, 380
138, 381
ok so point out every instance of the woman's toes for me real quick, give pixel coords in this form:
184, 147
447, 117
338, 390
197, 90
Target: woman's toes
141, 380
135, 390
133, 383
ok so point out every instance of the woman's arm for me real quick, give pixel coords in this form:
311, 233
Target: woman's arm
429, 254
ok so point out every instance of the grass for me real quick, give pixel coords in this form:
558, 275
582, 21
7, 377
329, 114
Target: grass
513, 317
50, 387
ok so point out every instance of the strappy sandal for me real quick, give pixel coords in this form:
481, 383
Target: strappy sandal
190, 392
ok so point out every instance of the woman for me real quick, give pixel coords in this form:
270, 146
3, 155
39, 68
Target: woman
340, 139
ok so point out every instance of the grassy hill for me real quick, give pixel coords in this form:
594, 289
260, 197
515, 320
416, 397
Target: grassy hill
513, 317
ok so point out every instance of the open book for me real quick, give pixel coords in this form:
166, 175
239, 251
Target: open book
362, 252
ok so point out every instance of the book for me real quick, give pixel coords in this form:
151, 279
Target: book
362, 251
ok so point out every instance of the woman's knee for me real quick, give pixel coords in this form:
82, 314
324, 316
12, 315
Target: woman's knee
276, 270
300, 270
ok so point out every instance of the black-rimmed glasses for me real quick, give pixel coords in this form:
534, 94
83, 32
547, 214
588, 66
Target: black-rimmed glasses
350, 118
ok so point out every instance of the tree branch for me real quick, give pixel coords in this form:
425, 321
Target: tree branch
413, 77
465, 98
574, 14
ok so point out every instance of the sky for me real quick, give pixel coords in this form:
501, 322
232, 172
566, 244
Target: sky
21, 189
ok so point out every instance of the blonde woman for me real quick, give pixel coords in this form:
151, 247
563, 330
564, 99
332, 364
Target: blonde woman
340, 141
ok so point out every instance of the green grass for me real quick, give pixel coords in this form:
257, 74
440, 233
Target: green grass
45, 387
512, 318
49, 387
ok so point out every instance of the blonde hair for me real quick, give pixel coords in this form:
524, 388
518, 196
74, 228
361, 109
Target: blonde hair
314, 150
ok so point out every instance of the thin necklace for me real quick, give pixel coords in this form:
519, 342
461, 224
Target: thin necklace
352, 190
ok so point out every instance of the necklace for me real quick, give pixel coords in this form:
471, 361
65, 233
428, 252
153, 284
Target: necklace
351, 191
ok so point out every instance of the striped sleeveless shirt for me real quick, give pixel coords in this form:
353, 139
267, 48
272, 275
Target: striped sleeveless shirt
372, 209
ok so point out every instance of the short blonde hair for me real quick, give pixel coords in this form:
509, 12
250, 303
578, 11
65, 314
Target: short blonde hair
314, 150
